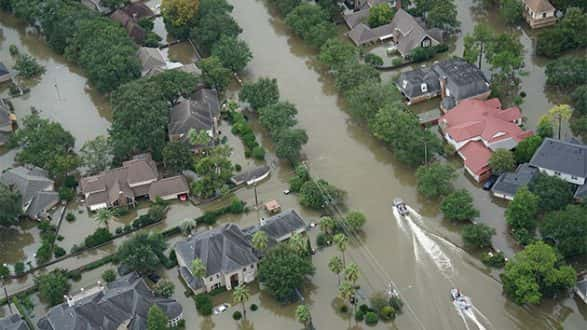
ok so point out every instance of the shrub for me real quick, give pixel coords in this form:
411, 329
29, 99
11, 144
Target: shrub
66, 194
59, 252
164, 288
19, 268
70, 181
101, 235
371, 318
496, 260
13, 50
203, 304
237, 315
397, 61
322, 240
43, 253
478, 235
373, 60
359, 316
118, 230
254, 307
397, 303
60, 238
238, 167
75, 275
28, 67
258, 153
364, 308
70, 217
343, 309
387, 313
120, 212
109, 275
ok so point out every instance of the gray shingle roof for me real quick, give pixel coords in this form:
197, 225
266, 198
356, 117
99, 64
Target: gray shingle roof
3, 69
283, 224
127, 299
223, 249
174, 185
409, 32
509, 183
34, 186
249, 175
197, 112
415, 78
13, 322
151, 59
560, 156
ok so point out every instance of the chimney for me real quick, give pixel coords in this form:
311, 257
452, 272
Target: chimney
262, 221
398, 4
443, 87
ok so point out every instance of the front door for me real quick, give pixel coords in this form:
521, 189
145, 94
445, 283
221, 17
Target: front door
234, 281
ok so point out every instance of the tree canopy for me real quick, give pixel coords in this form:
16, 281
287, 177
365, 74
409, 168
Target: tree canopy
458, 206
534, 273
310, 22
335, 52
233, 53
156, 319
567, 229
10, 206
214, 74
435, 180
143, 253
213, 22
478, 235
285, 6
214, 169
522, 211
526, 148
380, 14
260, 93
178, 156
567, 34
319, 194
501, 161
365, 100
53, 286
277, 117
179, 15
96, 154
289, 142
553, 193
282, 271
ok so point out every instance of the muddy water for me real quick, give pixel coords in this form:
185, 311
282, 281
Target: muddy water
343, 153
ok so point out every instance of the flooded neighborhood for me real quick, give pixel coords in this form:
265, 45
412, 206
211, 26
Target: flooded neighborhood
218, 179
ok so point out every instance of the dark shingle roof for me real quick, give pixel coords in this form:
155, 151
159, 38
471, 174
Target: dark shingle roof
222, 249
198, 112
414, 80
565, 157
463, 79
283, 224
509, 183
34, 186
126, 299
13, 322
581, 192
3, 69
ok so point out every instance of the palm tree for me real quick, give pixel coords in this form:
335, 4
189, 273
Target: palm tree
351, 273
103, 216
335, 266
200, 138
346, 291
297, 242
341, 241
558, 114
303, 315
327, 225
260, 240
240, 295
198, 268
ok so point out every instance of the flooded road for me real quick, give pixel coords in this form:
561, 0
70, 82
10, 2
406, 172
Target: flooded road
343, 153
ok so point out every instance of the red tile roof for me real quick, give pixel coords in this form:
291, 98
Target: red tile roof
476, 156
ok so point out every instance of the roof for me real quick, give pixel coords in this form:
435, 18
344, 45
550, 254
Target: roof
198, 112
484, 119
560, 156
138, 11
3, 69
355, 18
150, 58
362, 34
476, 156
508, 183
174, 185
13, 322
409, 32
193, 282
282, 224
581, 286
581, 192
34, 186
272, 205
126, 299
7, 117
223, 249
464, 79
135, 31
250, 175
414, 80
539, 6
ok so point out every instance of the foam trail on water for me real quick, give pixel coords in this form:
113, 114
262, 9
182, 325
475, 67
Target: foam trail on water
413, 212
460, 313
432, 249
470, 314
398, 219
482, 315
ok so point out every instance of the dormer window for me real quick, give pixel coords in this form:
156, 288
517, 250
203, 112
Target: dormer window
424, 87
404, 84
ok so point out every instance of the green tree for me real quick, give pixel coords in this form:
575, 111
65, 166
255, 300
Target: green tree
458, 206
175, 83
310, 22
526, 148
355, 221
304, 315
278, 116
476, 43
156, 319
336, 266
501, 161
177, 156
285, 6
442, 14
96, 154
240, 295
366, 99
103, 216
512, 11
198, 268
435, 180
198, 137
558, 115
567, 228
579, 127
214, 169
214, 21
566, 72
260, 240
214, 74
282, 271
301, 176
522, 211
567, 34
346, 291
545, 128
335, 53
298, 243
380, 14
109, 275
319, 194
53, 286
327, 225
232, 53
28, 67
373, 60
261, 93
289, 144
352, 273
164, 288
353, 74
179, 15
143, 252
114, 4
579, 98
10, 206
553, 193
478, 235
534, 273
341, 243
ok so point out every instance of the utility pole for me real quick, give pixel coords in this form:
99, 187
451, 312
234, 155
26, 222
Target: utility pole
256, 198
6, 294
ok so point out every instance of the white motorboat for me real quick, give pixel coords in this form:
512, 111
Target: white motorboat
461, 301
400, 206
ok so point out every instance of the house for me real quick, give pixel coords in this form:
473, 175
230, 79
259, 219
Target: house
252, 176
476, 128
454, 80
410, 33
35, 187
508, 183
122, 304
154, 61
282, 226
129, 18
4, 73
581, 290
226, 253
564, 159
539, 13
272, 207
7, 121
122, 186
13, 322
199, 112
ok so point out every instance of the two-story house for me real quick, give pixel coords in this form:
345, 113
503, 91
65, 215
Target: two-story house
539, 13
200, 112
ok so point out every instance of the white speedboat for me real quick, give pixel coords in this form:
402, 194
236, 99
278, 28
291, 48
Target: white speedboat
400, 206
457, 297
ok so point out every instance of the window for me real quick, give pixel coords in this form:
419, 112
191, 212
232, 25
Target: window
426, 43
543, 15
424, 87
557, 173
404, 84
574, 178
447, 92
